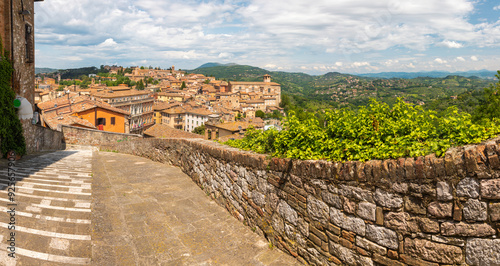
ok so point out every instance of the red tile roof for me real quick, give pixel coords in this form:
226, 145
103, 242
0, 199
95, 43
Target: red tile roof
164, 131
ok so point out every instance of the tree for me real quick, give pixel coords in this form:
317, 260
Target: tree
199, 130
183, 85
139, 85
260, 113
207, 81
488, 106
238, 117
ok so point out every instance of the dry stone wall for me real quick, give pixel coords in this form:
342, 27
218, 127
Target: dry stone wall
409, 211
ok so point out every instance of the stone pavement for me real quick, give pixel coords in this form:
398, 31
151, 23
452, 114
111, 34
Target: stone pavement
49, 204
143, 213
148, 213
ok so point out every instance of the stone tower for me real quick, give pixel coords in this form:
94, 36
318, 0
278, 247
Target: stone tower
267, 78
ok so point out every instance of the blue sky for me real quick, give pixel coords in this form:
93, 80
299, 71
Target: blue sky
348, 36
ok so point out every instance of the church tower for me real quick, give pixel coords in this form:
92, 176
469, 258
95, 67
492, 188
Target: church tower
267, 78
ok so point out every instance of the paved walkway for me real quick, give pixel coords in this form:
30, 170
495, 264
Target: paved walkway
143, 213
49, 219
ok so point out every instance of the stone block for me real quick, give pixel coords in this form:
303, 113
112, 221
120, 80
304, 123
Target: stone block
349, 223
333, 200
379, 216
367, 211
415, 205
482, 251
400, 187
443, 191
370, 246
348, 256
464, 229
349, 206
495, 212
287, 212
475, 210
386, 261
400, 222
317, 210
382, 236
416, 262
431, 251
318, 233
490, 189
427, 225
356, 193
388, 200
448, 240
440, 209
468, 187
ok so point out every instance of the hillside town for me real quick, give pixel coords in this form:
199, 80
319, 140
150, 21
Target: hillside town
158, 101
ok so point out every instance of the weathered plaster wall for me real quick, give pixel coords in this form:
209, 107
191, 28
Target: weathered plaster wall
414, 211
83, 136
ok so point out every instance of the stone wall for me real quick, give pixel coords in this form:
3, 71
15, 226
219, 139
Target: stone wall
92, 137
41, 138
409, 211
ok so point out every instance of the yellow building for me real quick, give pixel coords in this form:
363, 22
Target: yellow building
167, 96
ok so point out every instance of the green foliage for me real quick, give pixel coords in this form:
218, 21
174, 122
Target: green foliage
376, 131
183, 85
11, 131
256, 140
139, 85
199, 130
260, 113
488, 108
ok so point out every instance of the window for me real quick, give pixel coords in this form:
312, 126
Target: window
101, 121
112, 121
30, 49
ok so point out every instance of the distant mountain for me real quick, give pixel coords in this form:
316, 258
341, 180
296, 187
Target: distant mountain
485, 74
215, 65
39, 70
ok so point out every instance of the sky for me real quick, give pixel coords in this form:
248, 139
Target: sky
315, 37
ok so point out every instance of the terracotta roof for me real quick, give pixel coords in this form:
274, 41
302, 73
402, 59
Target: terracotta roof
61, 101
120, 93
175, 110
52, 122
88, 104
199, 111
234, 126
159, 106
253, 83
164, 131
170, 94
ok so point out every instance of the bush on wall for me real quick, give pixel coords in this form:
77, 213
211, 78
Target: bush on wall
11, 131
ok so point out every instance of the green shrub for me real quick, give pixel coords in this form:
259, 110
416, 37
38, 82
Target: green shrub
372, 132
11, 131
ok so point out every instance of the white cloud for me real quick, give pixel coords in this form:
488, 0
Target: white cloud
451, 44
225, 55
474, 58
440, 61
286, 32
496, 8
360, 64
107, 43
460, 59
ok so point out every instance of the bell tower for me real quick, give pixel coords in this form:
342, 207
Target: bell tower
267, 78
